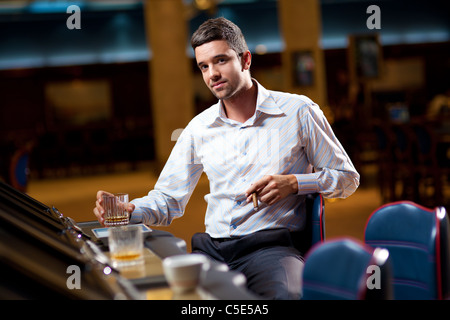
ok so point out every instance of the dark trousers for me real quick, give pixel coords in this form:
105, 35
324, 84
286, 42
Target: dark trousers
268, 259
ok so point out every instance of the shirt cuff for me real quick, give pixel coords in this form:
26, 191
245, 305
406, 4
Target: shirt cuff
307, 183
136, 216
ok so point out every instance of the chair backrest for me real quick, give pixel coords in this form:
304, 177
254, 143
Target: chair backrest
315, 205
19, 169
341, 269
444, 246
314, 231
413, 236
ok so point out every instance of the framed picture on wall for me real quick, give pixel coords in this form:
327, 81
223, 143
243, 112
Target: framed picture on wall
365, 56
303, 68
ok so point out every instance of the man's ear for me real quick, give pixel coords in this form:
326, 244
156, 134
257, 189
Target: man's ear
246, 60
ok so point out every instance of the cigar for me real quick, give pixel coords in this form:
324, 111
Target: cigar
255, 201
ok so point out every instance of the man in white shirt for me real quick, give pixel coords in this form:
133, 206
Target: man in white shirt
253, 141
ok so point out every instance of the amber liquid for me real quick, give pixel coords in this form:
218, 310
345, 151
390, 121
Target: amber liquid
126, 256
116, 221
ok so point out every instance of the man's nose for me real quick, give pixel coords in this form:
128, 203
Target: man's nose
214, 73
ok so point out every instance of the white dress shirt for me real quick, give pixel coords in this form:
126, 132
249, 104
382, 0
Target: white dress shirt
288, 134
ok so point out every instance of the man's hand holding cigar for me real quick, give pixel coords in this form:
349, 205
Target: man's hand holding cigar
271, 189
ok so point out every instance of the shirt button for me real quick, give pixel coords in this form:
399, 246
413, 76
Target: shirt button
233, 226
239, 203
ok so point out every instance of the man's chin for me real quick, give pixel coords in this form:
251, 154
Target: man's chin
220, 95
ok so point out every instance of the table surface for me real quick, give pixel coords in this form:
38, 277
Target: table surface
148, 278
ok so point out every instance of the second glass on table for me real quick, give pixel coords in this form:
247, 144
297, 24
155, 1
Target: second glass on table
126, 245
115, 209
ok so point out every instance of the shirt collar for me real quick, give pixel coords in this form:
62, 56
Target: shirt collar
265, 103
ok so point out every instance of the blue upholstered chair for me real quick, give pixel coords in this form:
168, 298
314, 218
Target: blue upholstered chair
315, 220
342, 269
19, 168
314, 231
418, 242
444, 252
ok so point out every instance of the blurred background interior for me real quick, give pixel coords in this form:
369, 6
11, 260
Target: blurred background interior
93, 99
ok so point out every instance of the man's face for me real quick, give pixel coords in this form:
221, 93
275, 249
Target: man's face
223, 70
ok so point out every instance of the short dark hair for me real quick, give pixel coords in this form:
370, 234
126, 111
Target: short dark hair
220, 29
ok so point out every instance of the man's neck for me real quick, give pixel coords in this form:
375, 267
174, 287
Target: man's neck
242, 107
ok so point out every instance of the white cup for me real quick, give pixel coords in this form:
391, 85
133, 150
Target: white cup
183, 272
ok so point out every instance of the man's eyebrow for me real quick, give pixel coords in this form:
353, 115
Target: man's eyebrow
222, 55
